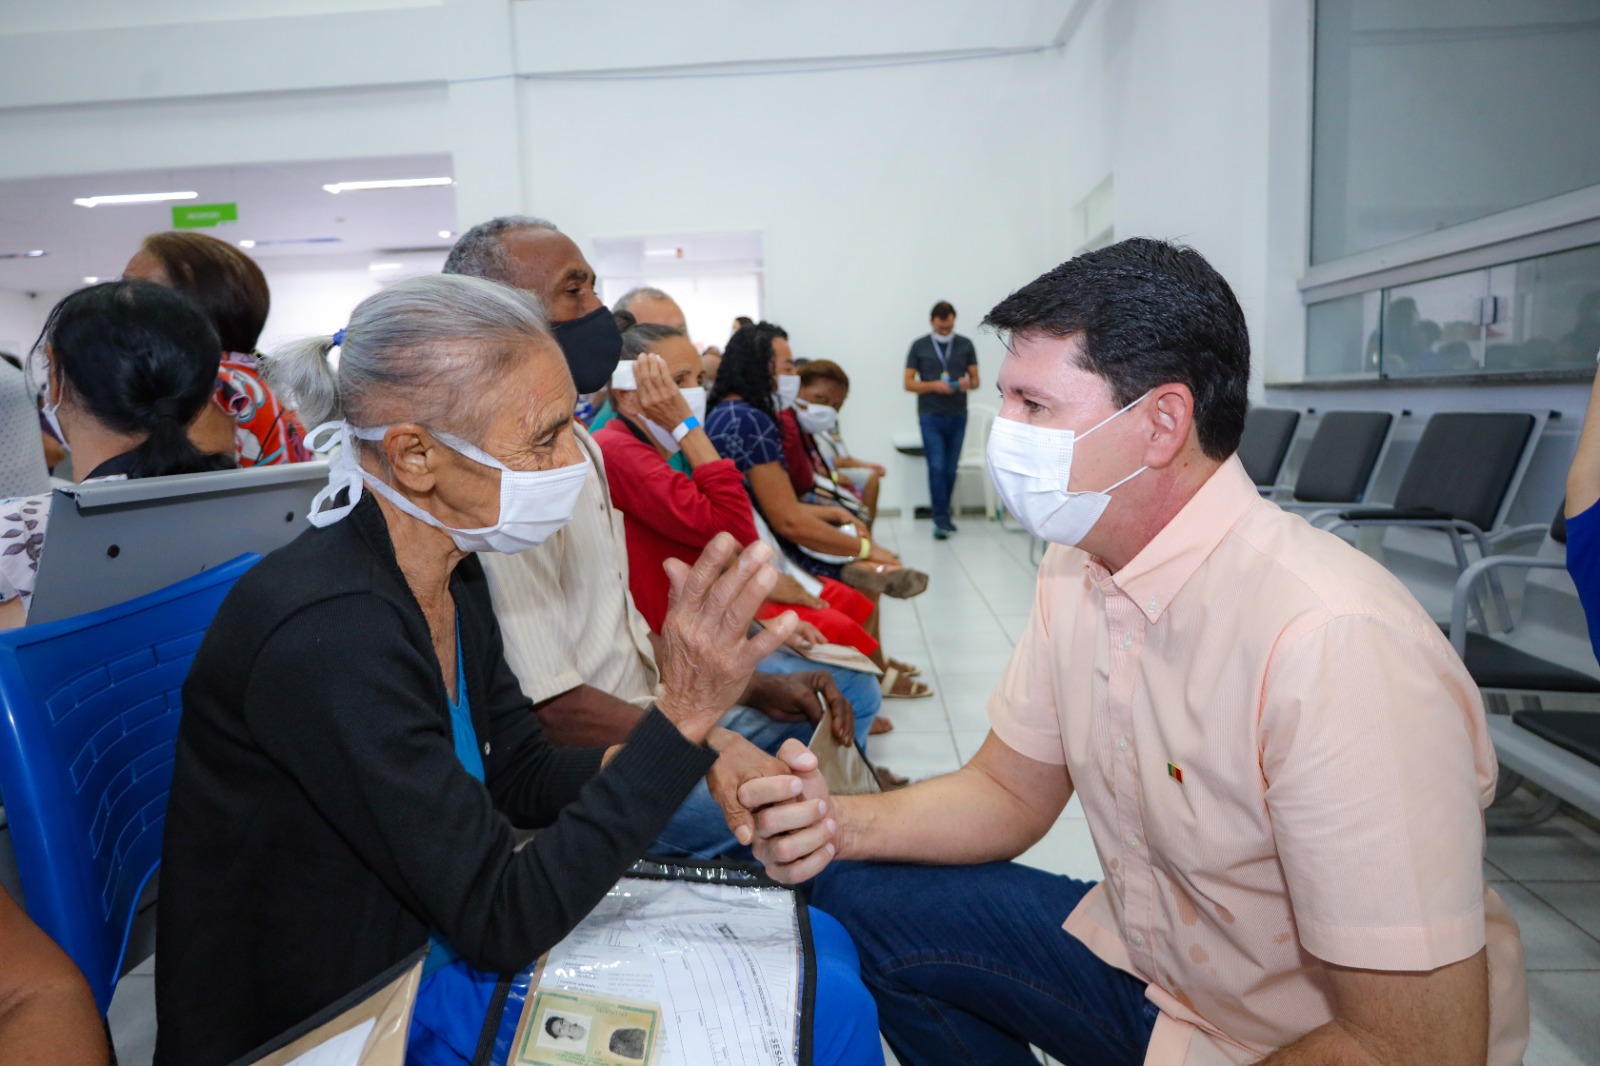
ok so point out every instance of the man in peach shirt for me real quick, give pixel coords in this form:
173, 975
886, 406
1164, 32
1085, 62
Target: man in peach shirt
1282, 762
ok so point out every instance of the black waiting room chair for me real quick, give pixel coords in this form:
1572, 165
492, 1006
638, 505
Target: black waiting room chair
1268, 432
1341, 460
1460, 480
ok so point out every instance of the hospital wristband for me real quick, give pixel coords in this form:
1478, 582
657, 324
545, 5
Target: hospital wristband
684, 428
866, 548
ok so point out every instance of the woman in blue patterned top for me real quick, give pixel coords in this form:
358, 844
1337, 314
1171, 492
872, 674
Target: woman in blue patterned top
756, 380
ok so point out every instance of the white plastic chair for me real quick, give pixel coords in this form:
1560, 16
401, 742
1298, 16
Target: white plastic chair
974, 456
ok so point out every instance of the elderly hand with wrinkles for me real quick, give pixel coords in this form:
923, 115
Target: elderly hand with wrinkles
660, 399
704, 656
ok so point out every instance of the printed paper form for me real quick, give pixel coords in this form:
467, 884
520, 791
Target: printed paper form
722, 961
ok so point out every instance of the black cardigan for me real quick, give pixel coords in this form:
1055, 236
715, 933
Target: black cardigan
320, 823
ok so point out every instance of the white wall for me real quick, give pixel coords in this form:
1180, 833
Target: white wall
1171, 97
313, 296
21, 318
909, 185
878, 188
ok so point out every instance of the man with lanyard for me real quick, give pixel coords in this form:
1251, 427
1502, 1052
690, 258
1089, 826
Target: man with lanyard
941, 369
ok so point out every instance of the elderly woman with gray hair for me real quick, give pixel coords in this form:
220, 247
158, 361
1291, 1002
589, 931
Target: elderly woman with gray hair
355, 751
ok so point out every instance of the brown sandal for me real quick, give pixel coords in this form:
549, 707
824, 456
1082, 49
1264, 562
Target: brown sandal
905, 668
897, 686
900, 583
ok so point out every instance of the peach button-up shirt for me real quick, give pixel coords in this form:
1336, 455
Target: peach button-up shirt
1283, 765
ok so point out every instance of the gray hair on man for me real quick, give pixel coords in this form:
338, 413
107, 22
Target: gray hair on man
428, 349
643, 292
643, 337
481, 252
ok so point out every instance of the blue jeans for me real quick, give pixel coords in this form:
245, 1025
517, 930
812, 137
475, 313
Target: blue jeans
969, 964
942, 436
452, 1004
698, 830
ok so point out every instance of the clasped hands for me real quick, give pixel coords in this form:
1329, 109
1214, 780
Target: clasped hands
707, 658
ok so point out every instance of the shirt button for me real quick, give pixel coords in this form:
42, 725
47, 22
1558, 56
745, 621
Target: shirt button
486, 747
1127, 641
1122, 742
1151, 606
1133, 842
1137, 939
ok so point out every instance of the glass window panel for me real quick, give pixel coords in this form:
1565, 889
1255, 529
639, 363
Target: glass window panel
1433, 327
1342, 336
1430, 113
1546, 312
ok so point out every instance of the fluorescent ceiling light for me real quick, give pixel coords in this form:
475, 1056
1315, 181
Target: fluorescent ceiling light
394, 183
34, 254
247, 244
91, 280
445, 234
378, 268
134, 198
663, 253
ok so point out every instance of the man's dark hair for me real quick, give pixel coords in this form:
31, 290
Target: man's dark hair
226, 283
942, 309
1147, 313
746, 369
825, 370
745, 320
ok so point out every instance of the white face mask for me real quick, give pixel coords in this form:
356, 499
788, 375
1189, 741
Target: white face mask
816, 417
1032, 467
39, 382
696, 398
533, 503
788, 389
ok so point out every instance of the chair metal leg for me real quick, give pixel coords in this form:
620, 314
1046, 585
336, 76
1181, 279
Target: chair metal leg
1505, 822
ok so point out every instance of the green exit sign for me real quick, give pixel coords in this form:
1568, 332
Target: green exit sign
199, 216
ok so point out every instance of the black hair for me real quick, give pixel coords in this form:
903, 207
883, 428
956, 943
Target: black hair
746, 369
1148, 313
625, 320
226, 283
942, 309
140, 359
744, 321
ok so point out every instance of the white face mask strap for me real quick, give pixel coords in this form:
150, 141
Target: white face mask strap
1110, 417
344, 472
1127, 479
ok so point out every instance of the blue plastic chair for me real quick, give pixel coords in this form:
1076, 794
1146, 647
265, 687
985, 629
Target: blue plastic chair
89, 729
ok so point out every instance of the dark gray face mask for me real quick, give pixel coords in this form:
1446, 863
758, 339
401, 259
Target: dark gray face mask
593, 348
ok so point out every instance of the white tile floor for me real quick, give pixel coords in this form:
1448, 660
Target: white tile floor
961, 632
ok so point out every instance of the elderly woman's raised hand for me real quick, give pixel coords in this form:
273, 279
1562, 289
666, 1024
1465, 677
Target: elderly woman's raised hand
706, 658
659, 398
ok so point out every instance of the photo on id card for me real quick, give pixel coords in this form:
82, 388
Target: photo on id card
572, 1029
